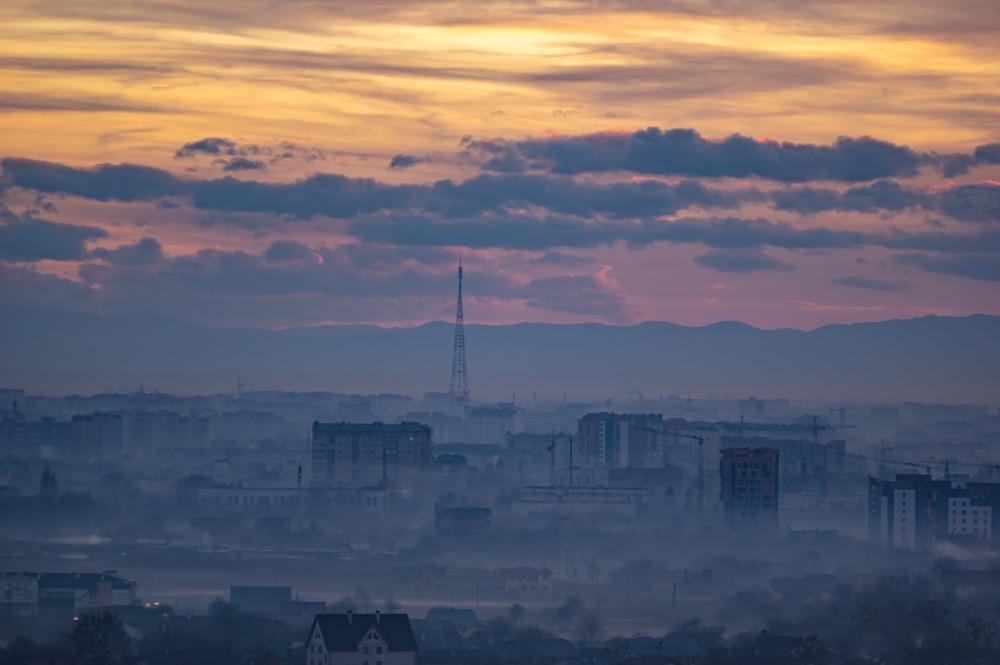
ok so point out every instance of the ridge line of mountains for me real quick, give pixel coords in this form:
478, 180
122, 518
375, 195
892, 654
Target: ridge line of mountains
933, 358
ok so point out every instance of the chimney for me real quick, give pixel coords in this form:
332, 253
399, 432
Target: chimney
350, 616
378, 616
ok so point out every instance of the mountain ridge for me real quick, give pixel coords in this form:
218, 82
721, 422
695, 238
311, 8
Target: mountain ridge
930, 358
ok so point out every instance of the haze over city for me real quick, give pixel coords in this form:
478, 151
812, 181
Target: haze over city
469, 333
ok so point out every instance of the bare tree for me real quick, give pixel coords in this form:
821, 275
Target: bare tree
589, 630
516, 613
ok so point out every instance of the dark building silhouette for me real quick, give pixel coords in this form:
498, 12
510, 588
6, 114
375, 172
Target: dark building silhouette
358, 454
748, 480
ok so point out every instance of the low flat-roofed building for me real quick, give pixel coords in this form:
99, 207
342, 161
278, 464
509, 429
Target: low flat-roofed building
570, 501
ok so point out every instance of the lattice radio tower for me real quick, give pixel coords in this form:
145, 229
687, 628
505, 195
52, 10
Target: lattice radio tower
458, 388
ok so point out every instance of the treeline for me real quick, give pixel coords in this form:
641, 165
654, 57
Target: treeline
897, 620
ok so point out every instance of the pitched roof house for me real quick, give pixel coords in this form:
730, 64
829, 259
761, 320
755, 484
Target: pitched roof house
361, 639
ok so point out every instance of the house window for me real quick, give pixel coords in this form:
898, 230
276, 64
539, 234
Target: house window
378, 650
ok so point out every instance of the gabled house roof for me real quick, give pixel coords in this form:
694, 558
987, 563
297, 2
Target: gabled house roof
343, 632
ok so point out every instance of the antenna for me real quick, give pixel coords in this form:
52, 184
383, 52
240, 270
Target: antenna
458, 387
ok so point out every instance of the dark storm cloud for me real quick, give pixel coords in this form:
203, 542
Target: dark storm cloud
340, 196
286, 268
207, 146
563, 260
988, 154
287, 250
117, 182
402, 161
742, 261
685, 152
533, 211
576, 294
145, 251
514, 231
953, 165
544, 232
21, 285
235, 156
242, 164
977, 202
140, 271
870, 283
38, 239
972, 203
883, 195
344, 197
982, 267
323, 194
231, 155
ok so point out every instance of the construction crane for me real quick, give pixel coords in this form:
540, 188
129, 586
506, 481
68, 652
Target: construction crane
883, 461
212, 462
701, 470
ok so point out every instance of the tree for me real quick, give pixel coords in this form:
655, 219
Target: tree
99, 638
49, 486
516, 613
230, 626
569, 610
811, 650
979, 635
19, 652
494, 633
589, 630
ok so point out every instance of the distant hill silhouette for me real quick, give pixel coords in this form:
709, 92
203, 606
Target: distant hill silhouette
933, 358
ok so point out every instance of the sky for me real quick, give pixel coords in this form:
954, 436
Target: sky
276, 164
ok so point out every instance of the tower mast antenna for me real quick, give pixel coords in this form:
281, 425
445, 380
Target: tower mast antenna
458, 387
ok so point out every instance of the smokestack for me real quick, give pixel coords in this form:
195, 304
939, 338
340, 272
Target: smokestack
350, 616
378, 616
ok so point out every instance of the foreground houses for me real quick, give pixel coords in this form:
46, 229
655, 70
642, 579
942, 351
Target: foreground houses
62, 595
361, 639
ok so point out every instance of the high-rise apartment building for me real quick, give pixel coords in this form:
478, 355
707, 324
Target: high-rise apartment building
748, 481
616, 440
914, 511
359, 454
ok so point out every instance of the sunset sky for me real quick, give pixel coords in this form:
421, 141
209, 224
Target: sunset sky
275, 164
